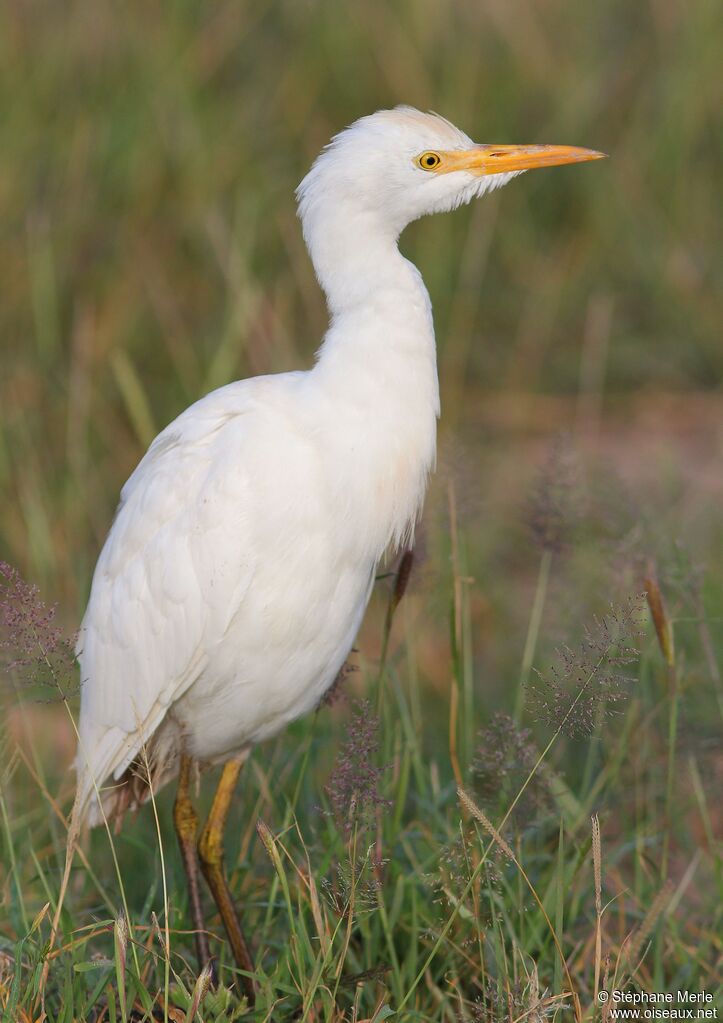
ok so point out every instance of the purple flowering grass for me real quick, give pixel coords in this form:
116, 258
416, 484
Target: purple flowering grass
34, 648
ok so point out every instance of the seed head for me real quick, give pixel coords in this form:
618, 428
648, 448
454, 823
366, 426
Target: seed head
33, 648
504, 759
556, 500
571, 693
355, 782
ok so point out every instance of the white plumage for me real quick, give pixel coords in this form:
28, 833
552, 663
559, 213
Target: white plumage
241, 559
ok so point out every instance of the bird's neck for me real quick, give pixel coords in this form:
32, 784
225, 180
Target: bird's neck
377, 367
354, 253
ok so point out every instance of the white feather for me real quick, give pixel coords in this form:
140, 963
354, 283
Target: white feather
240, 562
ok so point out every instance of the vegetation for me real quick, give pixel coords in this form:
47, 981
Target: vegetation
476, 827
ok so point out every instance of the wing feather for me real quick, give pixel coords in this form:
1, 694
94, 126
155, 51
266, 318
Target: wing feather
171, 575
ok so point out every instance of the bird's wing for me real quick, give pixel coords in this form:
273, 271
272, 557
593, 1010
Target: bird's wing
172, 573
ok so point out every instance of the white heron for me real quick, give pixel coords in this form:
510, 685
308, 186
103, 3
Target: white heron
239, 565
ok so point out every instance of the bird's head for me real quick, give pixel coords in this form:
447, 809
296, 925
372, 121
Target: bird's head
398, 165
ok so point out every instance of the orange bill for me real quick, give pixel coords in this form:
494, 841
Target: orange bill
489, 159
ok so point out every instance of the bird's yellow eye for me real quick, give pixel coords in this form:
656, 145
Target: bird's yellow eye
428, 161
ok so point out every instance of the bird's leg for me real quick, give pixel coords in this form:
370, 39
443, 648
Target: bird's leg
210, 851
186, 822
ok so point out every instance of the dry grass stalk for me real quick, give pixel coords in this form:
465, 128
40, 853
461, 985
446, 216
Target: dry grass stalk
200, 989
661, 620
635, 950
453, 715
120, 944
479, 814
606, 985
597, 869
469, 804
268, 841
317, 913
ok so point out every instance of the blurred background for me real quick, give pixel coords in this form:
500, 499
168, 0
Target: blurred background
150, 251
149, 248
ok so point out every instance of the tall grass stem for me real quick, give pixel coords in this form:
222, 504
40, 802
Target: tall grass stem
533, 632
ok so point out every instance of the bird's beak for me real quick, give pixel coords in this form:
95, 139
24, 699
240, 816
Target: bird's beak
483, 160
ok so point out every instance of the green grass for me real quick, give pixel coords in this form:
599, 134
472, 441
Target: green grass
149, 252
416, 905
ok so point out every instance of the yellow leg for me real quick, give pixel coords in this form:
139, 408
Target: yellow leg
210, 851
186, 822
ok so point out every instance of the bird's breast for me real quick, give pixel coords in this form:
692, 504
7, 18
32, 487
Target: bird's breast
281, 652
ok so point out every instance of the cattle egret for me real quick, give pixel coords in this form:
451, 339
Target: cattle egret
238, 568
